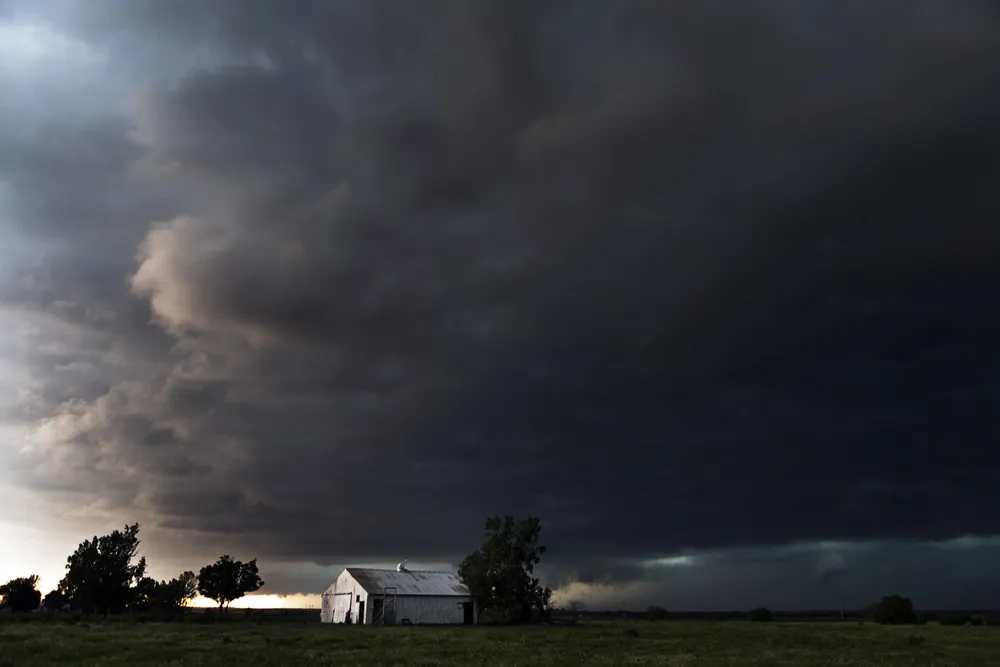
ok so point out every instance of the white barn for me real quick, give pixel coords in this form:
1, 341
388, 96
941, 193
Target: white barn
388, 597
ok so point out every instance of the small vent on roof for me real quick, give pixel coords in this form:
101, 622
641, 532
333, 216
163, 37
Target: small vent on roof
402, 566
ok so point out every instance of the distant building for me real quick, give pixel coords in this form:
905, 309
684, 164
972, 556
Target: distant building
390, 597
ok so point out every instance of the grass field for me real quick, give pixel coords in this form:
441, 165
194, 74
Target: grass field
688, 643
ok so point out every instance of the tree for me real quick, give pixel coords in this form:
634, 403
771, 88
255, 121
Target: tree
21, 594
179, 592
55, 600
894, 610
761, 614
500, 573
955, 618
227, 580
656, 613
100, 573
165, 595
186, 587
145, 594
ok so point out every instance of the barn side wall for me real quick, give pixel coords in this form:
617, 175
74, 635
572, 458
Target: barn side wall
430, 609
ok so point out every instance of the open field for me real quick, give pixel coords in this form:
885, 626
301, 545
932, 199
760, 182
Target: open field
688, 643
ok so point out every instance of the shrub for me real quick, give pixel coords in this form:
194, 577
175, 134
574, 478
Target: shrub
953, 619
21, 594
656, 613
894, 610
960, 619
760, 614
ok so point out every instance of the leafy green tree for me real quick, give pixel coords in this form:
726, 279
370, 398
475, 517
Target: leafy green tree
227, 580
894, 610
21, 594
500, 573
100, 574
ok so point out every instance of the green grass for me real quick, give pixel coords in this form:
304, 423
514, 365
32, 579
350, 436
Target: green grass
675, 643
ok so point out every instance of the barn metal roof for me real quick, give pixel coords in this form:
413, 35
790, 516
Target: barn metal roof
409, 582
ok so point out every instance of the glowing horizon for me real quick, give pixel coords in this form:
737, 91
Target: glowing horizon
265, 601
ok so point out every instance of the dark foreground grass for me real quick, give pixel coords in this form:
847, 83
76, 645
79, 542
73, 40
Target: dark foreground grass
687, 643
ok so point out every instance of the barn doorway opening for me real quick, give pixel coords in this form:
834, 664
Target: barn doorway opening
468, 613
384, 607
361, 612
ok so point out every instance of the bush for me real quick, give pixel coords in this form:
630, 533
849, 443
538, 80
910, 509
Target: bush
21, 594
960, 619
760, 614
656, 613
953, 619
894, 610
55, 600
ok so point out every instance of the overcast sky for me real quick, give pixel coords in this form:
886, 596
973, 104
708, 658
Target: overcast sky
710, 287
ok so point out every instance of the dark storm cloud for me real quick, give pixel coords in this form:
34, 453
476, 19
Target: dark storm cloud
671, 277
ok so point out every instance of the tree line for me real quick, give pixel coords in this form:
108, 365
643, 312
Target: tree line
105, 575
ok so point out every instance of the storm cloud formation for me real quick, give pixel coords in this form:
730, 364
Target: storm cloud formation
331, 283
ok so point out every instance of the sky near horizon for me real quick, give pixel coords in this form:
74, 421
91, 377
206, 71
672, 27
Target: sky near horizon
710, 287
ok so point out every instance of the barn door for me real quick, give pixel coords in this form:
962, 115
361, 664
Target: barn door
389, 606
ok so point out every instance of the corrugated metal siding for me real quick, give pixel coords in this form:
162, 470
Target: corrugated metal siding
409, 582
431, 609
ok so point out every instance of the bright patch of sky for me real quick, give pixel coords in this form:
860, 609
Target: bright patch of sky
264, 601
38, 551
31, 44
43, 70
